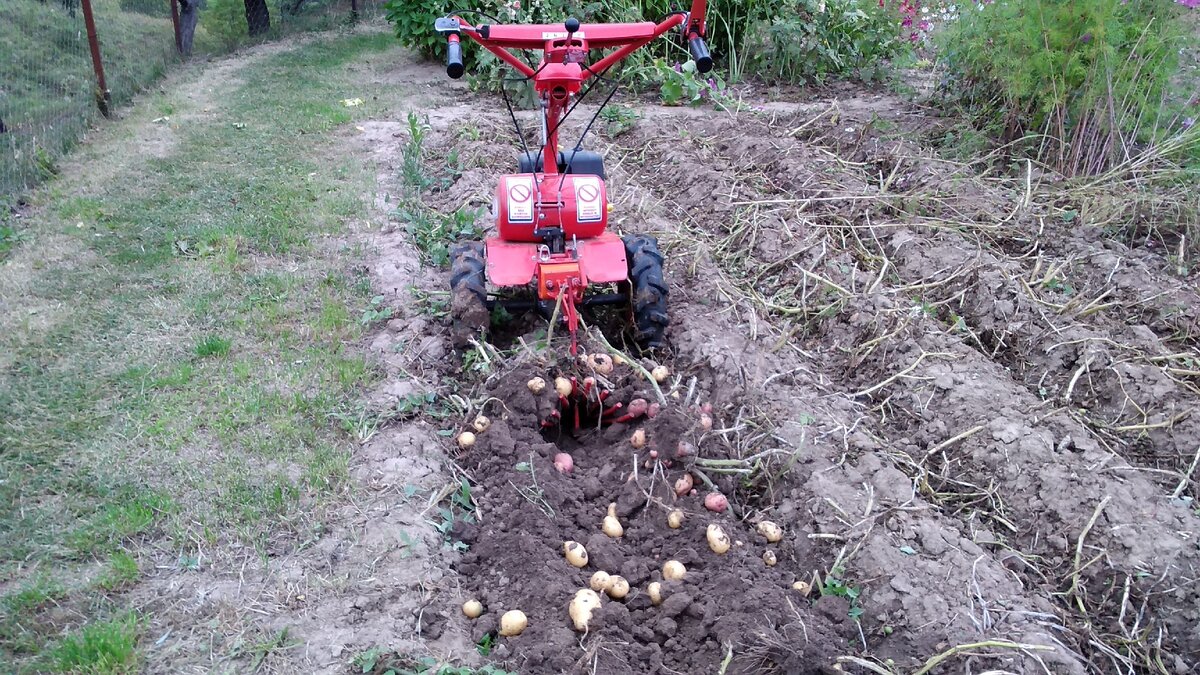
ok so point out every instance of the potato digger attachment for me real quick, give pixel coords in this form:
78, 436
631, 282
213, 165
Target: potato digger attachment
552, 248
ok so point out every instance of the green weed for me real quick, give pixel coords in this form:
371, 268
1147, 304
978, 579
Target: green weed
433, 233
412, 171
834, 585
459, 506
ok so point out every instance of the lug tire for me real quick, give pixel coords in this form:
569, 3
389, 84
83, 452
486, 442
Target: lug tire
468, 294
648, 288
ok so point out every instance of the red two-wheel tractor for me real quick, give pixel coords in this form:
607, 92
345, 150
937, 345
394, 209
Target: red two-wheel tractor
551, 217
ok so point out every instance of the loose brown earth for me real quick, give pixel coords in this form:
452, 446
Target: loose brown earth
983, 395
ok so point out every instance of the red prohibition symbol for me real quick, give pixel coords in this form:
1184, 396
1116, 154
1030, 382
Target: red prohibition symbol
519, 192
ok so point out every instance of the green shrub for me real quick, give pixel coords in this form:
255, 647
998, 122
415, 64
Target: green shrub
816, 39
225, 21
1090, 76
413, 20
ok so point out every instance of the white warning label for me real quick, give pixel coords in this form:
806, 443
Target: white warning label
589, 207
520, 198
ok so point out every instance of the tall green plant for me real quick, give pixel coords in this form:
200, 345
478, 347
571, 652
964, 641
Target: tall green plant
1090, 76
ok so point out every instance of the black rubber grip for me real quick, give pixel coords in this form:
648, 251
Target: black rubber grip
700, 54
454, 62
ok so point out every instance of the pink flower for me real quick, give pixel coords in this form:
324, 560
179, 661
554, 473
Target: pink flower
1190, 4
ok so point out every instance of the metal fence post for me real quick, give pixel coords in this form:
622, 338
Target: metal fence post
175, 22
103, 96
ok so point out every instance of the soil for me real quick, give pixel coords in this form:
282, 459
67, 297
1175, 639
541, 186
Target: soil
988, 400
529, 509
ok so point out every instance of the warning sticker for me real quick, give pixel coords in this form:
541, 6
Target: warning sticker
589, 207
559, 35
520, 198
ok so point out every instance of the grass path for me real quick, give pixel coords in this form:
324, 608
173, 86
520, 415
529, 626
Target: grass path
179, 329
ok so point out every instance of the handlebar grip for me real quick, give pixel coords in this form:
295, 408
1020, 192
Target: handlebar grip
700, 55
454, 61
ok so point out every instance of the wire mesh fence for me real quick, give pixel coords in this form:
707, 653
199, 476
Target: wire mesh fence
52, 88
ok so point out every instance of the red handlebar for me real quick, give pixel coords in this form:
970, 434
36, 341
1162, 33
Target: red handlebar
626, 37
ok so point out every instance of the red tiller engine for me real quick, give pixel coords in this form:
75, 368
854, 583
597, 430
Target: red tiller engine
526, 203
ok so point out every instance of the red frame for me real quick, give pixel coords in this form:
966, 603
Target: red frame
557, 80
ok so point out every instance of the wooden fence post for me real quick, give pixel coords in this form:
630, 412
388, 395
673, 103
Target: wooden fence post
103, 96
175, 22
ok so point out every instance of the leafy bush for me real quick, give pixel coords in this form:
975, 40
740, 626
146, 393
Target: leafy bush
225, 20
1090, 75
414, 19
815, 39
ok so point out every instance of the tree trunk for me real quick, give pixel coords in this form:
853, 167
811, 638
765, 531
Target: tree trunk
258, 17
189, 13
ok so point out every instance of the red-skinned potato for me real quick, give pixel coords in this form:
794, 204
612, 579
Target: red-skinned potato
564, 463
716, 502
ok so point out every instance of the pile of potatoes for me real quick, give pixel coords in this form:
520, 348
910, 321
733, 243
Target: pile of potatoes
616, 587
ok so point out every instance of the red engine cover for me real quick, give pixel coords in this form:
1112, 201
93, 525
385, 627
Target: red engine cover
527, 201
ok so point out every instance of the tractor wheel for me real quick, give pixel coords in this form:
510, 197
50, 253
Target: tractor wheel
468, 294
649, 291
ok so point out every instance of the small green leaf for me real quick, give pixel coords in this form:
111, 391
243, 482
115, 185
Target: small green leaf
908, 550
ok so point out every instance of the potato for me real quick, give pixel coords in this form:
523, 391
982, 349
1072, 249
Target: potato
537, 385
513, 622
683, 485
564, 463
582, 605
563, 386
472, 608
675, 519
769, 558
716, 502
576, 554
611, 526
638, 439
706, 422
599, 581
481, 424
618, 587
718, 541
466, 440
601, 363
660, 374
804, 587
654, 590
771, 531
673, 570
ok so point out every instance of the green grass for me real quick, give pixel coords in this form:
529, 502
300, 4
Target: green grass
122, 570
166, 396
101, 647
